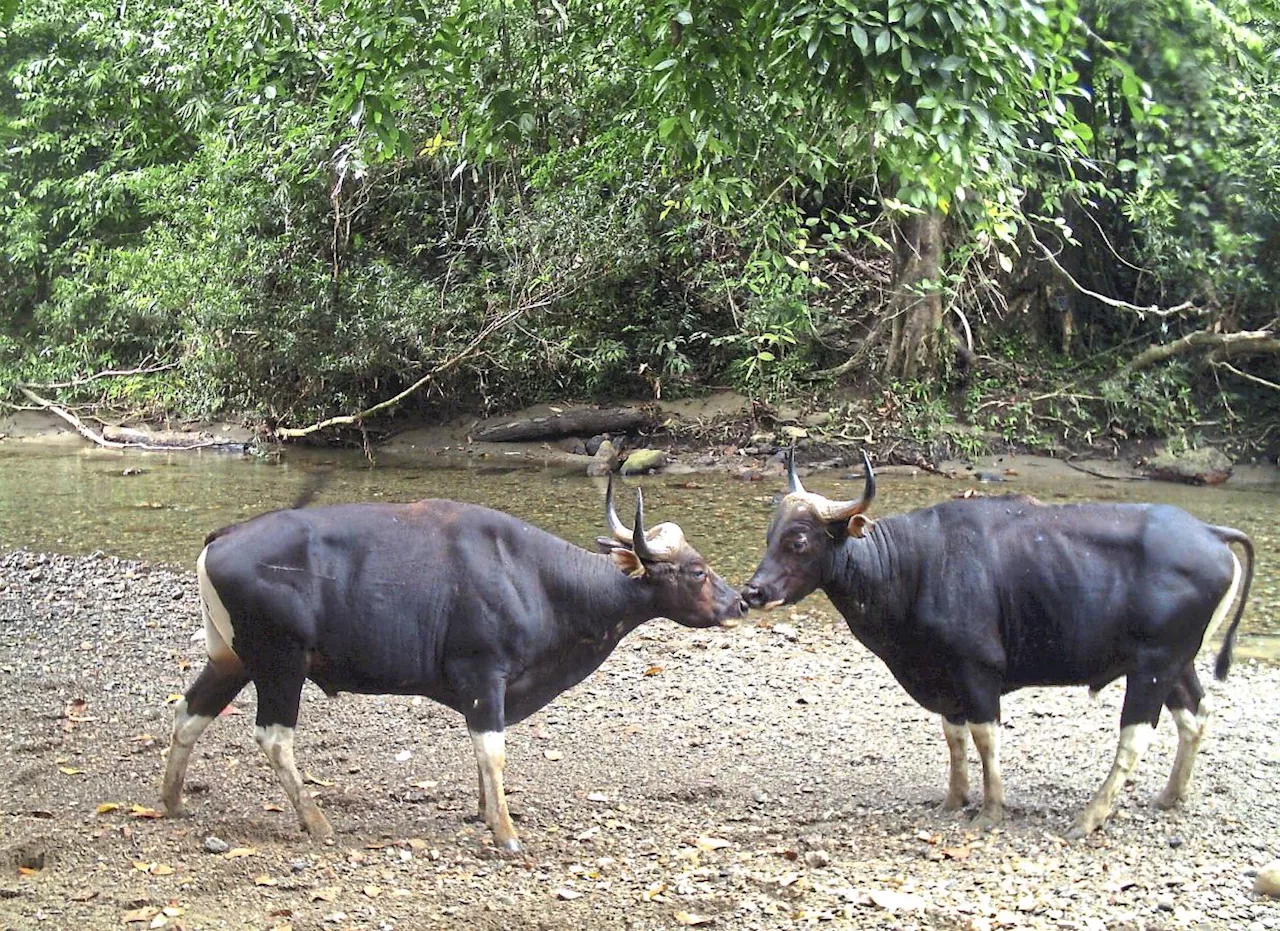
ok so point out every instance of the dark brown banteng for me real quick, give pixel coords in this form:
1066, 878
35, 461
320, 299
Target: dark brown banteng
465, 605
968, 600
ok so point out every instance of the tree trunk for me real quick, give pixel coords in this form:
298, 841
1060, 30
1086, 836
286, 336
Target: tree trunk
915, 348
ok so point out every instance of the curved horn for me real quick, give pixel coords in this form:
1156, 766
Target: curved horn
616, 526
638, 542
793, 480
829, 510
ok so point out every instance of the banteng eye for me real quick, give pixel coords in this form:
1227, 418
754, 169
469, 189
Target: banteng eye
698, 574
800, 543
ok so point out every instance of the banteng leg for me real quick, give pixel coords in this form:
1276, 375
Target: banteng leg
986, 737
279, 693
1144, 693
980, 699
484, 693
212, 691
957, 733
1190, 710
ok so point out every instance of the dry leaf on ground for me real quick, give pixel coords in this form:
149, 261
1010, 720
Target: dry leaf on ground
689, 919
144, 914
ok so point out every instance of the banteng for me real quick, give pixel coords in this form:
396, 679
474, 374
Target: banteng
465, 605
968, 600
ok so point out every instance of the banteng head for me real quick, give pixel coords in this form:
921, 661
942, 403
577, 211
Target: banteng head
684, 587
806, 531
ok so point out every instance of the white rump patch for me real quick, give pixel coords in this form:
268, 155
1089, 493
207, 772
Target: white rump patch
218, 633
1224, 606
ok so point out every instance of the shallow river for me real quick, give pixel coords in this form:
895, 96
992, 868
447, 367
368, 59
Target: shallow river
159, 506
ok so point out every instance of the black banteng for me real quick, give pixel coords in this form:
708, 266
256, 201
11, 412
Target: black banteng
968, 600
465, 605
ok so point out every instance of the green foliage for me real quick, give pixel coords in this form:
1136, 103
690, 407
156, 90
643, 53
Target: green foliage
308, 205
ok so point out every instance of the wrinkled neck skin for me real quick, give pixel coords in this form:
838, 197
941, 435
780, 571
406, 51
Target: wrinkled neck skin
595, 599
864, 580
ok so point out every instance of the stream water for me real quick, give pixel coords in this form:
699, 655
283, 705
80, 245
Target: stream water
159, 506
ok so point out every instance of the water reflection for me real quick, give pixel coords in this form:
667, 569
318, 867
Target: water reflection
159, 507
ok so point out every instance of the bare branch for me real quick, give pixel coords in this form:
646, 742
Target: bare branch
447, 365
78, 424
1153, 309
1120, 258
105, 373
1245, 375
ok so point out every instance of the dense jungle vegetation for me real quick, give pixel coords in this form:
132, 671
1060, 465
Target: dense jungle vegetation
1044, 219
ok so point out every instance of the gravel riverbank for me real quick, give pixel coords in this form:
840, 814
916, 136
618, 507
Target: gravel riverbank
772, 776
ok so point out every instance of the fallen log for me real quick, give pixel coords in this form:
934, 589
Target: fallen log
583, 421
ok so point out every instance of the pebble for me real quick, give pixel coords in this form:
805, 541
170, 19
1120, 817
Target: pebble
817, 859
214, 844
1175, 841
1268, 880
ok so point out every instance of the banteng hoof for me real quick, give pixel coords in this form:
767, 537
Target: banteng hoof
318, 827
511, 845
1164, 801
1082, 828
953, 803
987, 819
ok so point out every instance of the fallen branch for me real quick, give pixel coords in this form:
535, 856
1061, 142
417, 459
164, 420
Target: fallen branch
1111, 478
1248, 341
105, 373
46, 405
449, 364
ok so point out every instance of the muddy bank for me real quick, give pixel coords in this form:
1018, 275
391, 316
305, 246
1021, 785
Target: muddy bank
767, 777
723, 432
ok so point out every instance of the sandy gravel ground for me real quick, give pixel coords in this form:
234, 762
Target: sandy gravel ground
769, 777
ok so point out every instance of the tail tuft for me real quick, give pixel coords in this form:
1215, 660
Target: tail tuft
1230, 535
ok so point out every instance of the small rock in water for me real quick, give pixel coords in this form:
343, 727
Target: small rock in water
1268, 881
215, 845
642, 460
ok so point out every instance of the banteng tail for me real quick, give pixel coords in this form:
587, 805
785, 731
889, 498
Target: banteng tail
311, 487
1229, 535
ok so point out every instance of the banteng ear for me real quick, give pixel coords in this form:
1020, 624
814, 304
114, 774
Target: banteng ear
628, 562
859, 524
607, 544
